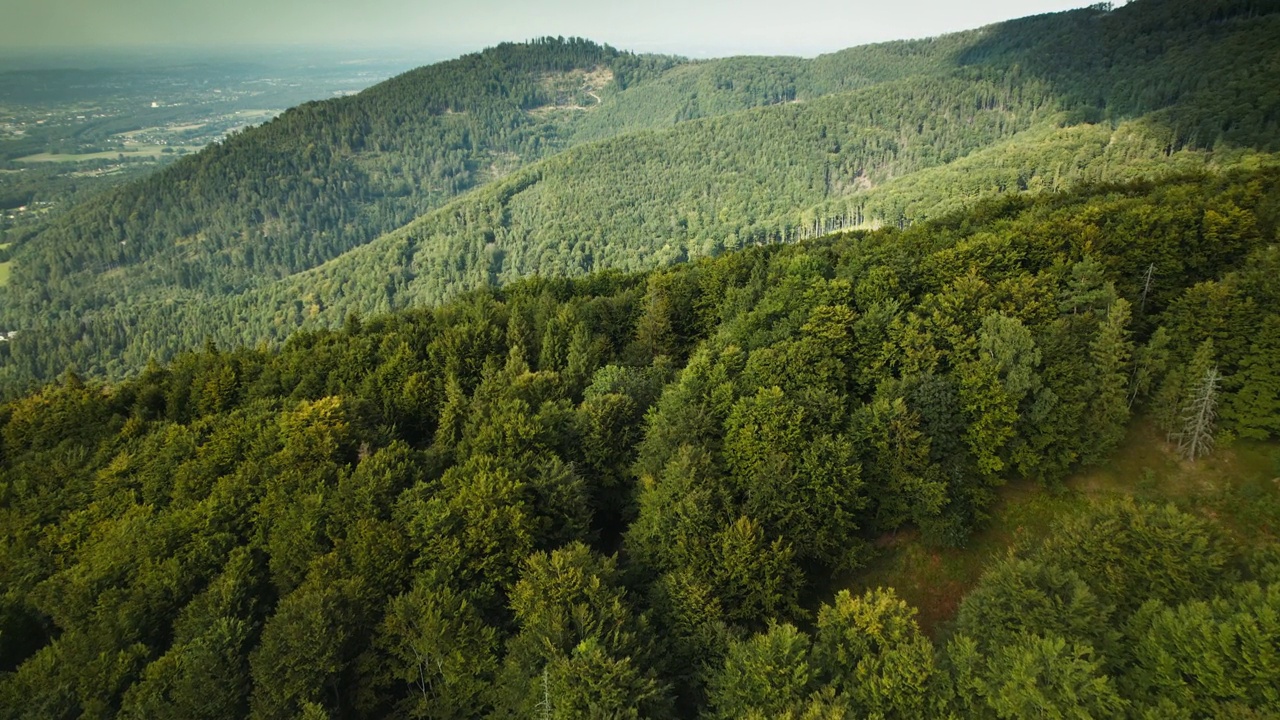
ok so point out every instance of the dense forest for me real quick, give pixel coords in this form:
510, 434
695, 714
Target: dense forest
572, 157
642, 495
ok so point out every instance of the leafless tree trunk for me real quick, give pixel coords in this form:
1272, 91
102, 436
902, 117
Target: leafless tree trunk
1196, 438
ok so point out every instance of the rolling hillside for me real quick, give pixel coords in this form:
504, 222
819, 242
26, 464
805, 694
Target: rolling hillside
664, 160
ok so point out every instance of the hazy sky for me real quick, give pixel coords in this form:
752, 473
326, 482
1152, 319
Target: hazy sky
689, 27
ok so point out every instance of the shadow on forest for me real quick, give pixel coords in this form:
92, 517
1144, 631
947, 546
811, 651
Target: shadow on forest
1201, 72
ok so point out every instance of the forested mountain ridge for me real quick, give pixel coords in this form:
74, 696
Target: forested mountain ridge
321, 178
866, 136
329, 175
626, 495
326, 176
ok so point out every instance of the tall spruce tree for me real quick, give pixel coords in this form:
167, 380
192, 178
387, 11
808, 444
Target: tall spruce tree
1255, 407
1110, 353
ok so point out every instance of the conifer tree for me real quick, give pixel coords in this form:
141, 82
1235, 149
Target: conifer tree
1255, 407
1149, 362
871, 650
1109, 353
767, 673
1176, 390
1199, 417
1088, 288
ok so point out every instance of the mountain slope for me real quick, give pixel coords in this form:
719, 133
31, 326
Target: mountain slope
420, 515
750, 177
328, 176
903, 150
1032, 104
316, 181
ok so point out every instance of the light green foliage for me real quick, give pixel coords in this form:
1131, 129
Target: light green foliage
1087, 290
595, 683
1007, 345
477, 531
756, 578
991, 413
768, 674
1046, 677
870, 649
575, 625
1007, 350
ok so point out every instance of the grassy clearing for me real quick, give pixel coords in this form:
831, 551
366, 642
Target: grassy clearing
4, 273
1237, 486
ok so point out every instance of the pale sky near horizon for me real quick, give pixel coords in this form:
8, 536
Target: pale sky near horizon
687, 27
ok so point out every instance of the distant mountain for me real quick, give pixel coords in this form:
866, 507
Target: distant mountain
583, 157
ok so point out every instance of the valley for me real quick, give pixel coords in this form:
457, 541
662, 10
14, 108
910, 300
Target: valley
67, 133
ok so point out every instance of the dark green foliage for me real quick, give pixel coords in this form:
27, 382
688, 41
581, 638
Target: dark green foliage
580, 651
1109, 549
800, 482
1221, 652
440, 649
587, 497
1018, 596
1255, 407
768, 674
1126, 607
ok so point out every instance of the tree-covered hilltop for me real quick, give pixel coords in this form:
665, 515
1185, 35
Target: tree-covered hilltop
626, 495
665, 161
316, 181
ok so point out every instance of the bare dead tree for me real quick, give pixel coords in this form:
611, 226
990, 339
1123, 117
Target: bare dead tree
1146, 287
544, 707
1199, 416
